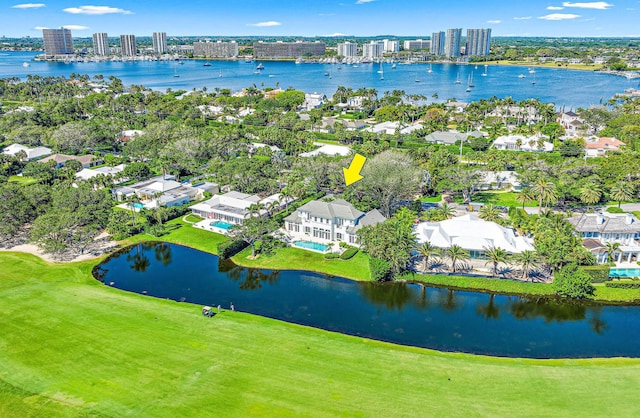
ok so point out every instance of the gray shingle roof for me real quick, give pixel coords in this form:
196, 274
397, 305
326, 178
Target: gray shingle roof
606, 223
338, 208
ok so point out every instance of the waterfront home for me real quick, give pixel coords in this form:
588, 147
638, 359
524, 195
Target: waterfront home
499, 180
331, 150
164, 191
388, 128
472, 234
89, 173
313, 100
522, 143
598, 229
457, 107
225, 210
599, 147
450, 137
327, 222
87, 161
31, 153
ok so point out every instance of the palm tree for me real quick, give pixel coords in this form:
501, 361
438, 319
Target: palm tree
496, 255
456, 254
622, 191
255, 208
525, 195
428, 250
612, 247
528, 261
546, 192
491, 213
590, 193
446, 211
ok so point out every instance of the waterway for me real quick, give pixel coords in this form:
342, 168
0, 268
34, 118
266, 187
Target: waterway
401, 313
568, 88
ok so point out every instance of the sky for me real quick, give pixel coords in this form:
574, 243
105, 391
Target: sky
617, 18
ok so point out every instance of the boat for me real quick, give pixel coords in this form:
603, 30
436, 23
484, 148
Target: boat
458, 81
471, 80
260, 67
26, 64
430, 70
521, 76
299, 61
326, 74
380, 71
417, 79
180, 62
248, 60
355, 65
220, 74
206, 64
175, 72
532, 71
393, 66
484, 74
476, 67
534, 78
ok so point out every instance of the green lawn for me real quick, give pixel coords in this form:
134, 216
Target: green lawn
193, 218
25, 181
74, 347
500, 198
296, 259
431, 199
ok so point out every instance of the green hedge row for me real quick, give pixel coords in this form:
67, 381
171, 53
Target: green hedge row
331, 256
228, 249
380, 269
599, 274
349, 253
623, 285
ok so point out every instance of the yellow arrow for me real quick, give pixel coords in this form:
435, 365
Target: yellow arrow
352, 174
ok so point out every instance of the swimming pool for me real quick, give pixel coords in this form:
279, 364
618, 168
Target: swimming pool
624, 272
138, 205
221, 225
311, 245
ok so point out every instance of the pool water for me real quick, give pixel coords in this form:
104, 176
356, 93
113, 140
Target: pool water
221, 225
311, 245
138, 205
622, 272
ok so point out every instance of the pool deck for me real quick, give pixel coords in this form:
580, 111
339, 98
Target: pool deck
206, 225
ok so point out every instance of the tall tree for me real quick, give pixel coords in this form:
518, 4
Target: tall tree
622, 191
495, 256
456, 254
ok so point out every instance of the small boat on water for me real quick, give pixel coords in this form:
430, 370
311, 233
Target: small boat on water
521, 76
175, 72
471, 80
484, 74
206, 64
458, 81
260, 67
532, 71
417, 79
26, 64
355, 65
393, 66
430, 70
534, 78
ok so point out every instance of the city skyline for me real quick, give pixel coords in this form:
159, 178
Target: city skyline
333, 18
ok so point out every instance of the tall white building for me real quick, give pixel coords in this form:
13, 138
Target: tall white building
348, 49
101, 43
390, 45
160, 42
437, 43
452, 43
478, 42
416, 45
373, 50
128, 45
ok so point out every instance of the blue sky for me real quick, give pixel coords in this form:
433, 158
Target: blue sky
323, 17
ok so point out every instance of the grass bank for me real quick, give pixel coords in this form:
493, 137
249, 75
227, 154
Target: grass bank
73, 347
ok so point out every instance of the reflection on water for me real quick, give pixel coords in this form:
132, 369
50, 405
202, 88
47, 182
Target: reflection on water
403, 313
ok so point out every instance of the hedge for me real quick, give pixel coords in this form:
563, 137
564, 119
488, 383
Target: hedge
623, 285
599, 274
614, 209
331, 256
228, 249
349, 253
380, 269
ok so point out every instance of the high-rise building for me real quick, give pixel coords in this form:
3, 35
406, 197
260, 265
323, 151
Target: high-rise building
100, 43
348, 49
452, 43
128, 45
287, 49
216, 49
478, 42
373, 49
160, 42
416, 44
390, 45
57, 42
437, 43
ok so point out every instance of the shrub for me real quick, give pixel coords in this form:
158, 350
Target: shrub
623, 285
380, 269
572, 282
331, 256
349, 253
615, 209
228, 249
599, 274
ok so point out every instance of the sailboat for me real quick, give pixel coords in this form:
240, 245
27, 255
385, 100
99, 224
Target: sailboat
417, 79
175, 72
260, 67
380, 71
206, 64
458, 81
534, 78
393, 66
484, 74
469, 83
471, 80
220, 73
26, 64
532, 71
430, 70
521, 76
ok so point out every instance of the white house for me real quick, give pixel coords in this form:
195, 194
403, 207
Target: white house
497, 180
472, 234
164, 191
328, 222
522, 143
313, 100
32, 153
89, 173
598, 229
325, 149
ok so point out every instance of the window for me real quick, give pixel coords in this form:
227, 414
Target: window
352, 239
339, 236
307, 230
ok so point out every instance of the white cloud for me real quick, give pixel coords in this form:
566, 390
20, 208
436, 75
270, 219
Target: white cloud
268, 24
28, 6
364, 1
599, 5
494, 21
559, 16
554, 8
335, 34
40, 27
96, 10
522, 18
75, 27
